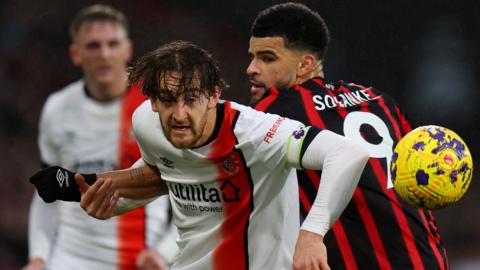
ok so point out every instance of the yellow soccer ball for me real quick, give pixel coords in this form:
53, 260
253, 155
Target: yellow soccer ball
431, 167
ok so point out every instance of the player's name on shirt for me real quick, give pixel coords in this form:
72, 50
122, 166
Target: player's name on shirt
343, 100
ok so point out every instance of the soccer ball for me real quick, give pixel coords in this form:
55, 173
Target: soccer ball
431, 167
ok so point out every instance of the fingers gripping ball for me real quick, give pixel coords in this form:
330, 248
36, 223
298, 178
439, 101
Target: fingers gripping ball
56, 183
431, 167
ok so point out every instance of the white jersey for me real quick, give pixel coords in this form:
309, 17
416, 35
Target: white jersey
235, 199
81, 134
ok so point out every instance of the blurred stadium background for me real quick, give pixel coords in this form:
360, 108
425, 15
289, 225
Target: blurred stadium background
423, 53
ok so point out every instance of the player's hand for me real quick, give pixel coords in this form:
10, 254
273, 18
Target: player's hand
56, 183
150, 260
310, 252
99, 199
35, 264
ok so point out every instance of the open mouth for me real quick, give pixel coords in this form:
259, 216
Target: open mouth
180, 129
256, 87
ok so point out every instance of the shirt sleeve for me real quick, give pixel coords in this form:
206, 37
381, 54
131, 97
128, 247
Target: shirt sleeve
269, 134
46, 138
142, 125
43, 218
341, 161
42, 228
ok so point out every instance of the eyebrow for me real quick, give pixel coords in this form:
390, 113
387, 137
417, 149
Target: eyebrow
266, 52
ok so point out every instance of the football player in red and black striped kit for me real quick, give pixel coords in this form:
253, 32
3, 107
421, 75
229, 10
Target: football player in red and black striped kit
377, 230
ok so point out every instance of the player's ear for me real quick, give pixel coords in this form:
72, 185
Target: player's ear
154, 104
74, 55
306, 65
213, 100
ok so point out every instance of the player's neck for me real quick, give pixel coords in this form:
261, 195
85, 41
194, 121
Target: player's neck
104, 93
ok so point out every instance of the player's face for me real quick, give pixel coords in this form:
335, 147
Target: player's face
102, 49
187, 120
271, 65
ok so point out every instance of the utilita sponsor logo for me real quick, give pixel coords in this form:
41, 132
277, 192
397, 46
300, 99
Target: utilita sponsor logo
227, 192
271, 131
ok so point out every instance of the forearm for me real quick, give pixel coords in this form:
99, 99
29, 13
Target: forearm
138, 182
342, 162
127, 204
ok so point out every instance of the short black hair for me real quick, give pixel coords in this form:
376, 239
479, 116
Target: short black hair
299, 26
97, 13
186, 58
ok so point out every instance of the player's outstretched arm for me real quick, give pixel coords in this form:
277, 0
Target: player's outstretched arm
342, 162
141, 181
102, 200
57, 183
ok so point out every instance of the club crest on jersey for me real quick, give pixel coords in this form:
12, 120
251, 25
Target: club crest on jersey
231, 164
228, 164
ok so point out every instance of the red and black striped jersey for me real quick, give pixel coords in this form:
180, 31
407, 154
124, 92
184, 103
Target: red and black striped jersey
377, 230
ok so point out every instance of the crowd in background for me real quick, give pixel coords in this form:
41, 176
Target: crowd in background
425, 55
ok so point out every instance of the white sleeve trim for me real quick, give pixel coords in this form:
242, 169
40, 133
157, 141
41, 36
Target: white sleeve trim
342, 162
294, 147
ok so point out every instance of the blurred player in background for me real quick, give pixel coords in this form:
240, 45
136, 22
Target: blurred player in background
377, 230
87, 127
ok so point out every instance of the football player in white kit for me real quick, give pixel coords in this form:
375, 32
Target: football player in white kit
87, 127
229, 170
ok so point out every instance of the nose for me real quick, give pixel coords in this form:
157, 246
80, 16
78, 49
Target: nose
105, 51
252, 68
179, 111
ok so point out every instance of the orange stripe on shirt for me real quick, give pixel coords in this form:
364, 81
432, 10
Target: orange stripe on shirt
131, 226
236, 185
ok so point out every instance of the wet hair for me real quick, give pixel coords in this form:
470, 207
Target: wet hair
198, 71
300, 27
97, 13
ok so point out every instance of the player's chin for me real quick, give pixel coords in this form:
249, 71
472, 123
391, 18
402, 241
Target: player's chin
106, 77
180, 141
182, 144
256, 96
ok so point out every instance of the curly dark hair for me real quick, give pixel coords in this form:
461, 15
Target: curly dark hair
198, 71
299, 26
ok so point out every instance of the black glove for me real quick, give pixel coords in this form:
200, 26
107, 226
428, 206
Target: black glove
57, 183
